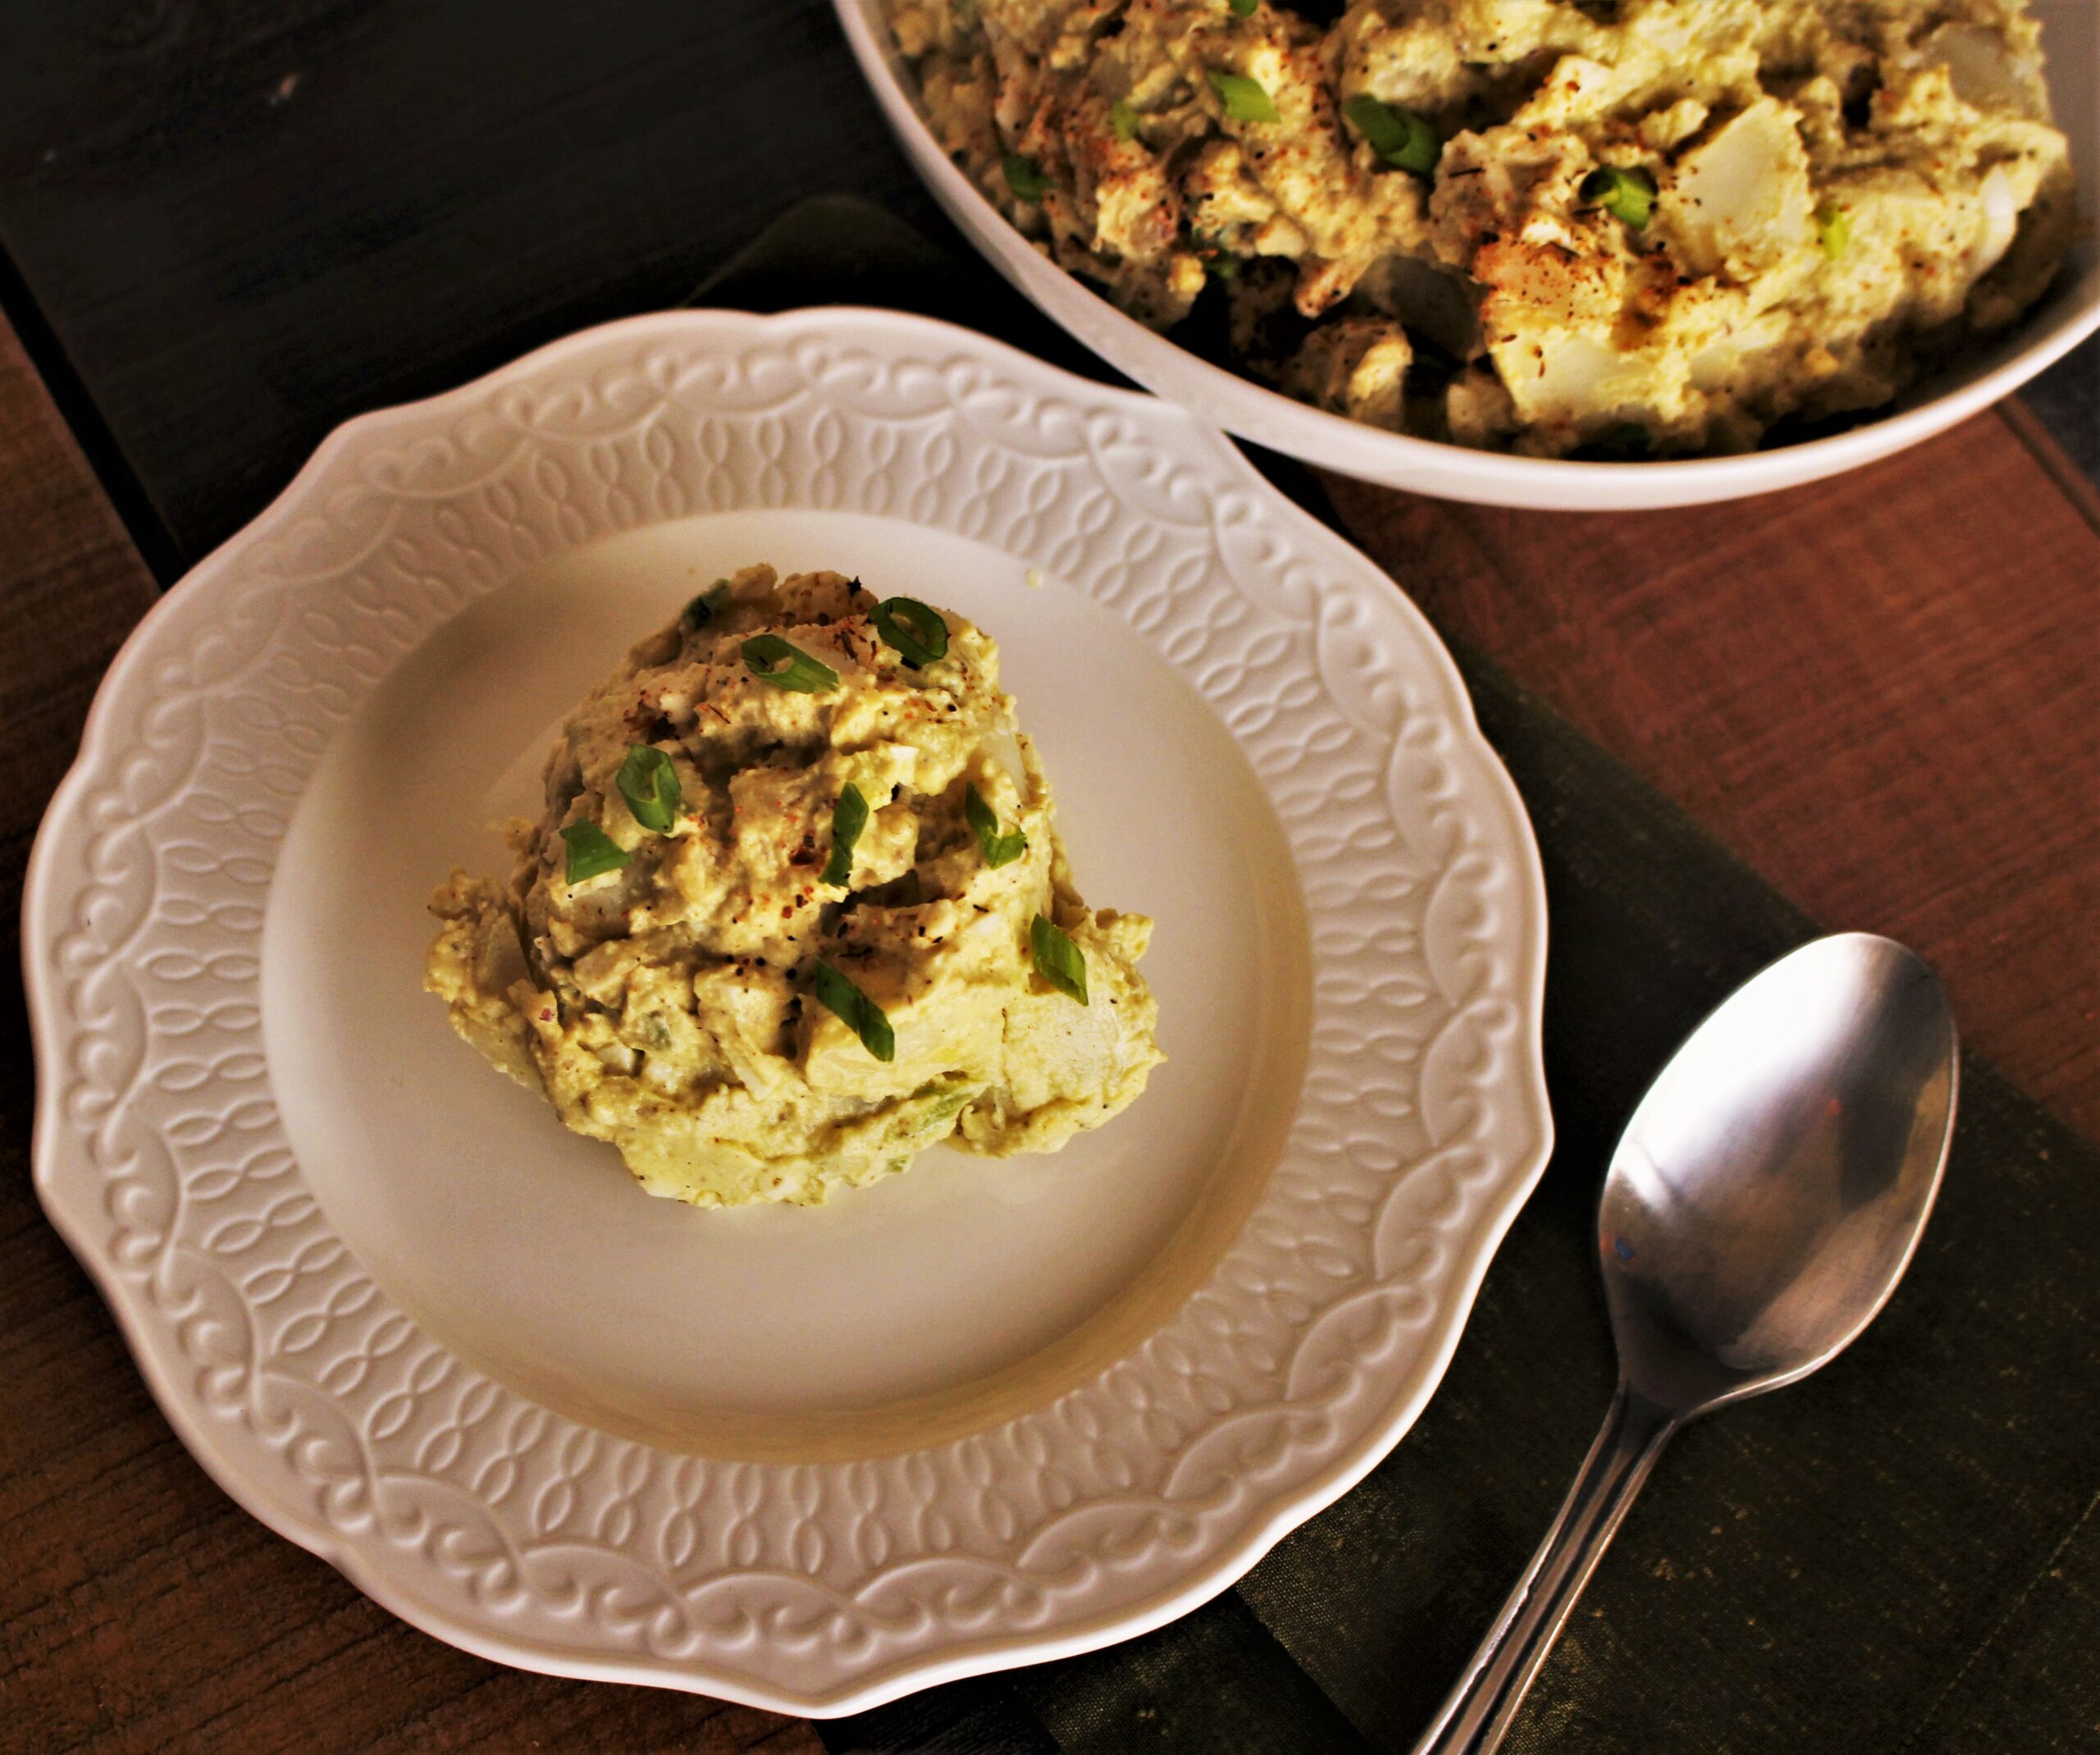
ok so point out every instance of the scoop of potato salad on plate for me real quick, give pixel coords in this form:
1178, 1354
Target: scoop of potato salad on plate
796, 909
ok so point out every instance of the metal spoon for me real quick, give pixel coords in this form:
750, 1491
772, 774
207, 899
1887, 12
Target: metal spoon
1762, 1205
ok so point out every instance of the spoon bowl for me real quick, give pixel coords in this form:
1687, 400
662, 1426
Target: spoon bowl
1764, 1199
1772, 1186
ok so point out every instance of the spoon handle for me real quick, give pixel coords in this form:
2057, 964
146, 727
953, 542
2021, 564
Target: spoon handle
1480, 1709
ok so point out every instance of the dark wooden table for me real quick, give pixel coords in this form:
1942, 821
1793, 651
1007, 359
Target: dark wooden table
227, 226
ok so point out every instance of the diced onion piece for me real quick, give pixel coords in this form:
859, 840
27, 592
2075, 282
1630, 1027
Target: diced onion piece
1003, 744
2000, 220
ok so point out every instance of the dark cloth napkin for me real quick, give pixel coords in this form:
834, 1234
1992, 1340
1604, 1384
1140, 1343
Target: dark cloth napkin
1898, 1555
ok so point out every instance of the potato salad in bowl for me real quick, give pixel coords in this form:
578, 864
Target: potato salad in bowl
1623, 229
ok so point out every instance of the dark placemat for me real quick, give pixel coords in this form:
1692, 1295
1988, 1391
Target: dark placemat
1895, 1552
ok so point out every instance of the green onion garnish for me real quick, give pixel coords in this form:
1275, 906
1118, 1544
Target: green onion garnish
1404, 140
704, 608
999, 849
913, 628
1123, 119
1244, 99
849, 816
1026, 178
856, 1010
798, 672
1833, 231
591, 852
1628, 194
1243, 8
650, 785
1057, 960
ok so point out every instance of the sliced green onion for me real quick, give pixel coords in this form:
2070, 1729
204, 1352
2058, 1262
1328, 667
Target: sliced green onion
849, 816
591, 852
915, 629
1123, 119
1057, 960
1243, 8
1833, 231
704, 608
1025, 178
1627, 193
1404, 140
999, 849
856, 1010
650, 785
798, 672
1244, 100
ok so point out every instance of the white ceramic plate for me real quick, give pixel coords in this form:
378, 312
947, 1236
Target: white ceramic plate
2071, 37
808, 1459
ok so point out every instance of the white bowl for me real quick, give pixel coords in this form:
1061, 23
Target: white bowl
2070, 35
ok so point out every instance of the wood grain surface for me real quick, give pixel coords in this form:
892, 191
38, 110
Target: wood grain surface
140, 1609
1882, 691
